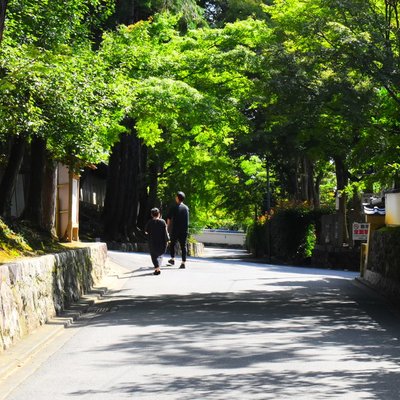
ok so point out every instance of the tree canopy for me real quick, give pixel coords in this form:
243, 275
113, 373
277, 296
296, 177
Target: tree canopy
213, 94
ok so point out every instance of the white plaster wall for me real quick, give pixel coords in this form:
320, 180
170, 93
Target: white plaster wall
230, 238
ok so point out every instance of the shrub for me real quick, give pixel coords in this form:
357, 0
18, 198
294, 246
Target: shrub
288, 234
257, 238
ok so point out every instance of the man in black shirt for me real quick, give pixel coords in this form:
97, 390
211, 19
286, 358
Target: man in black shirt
178, 225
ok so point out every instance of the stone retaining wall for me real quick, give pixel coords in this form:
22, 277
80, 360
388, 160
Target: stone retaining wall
388, 287
329, 256
36, 289
383, 267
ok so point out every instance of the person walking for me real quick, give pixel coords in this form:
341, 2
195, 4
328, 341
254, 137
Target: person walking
178, 225
156, 229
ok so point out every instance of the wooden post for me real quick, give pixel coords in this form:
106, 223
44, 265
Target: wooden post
67, 222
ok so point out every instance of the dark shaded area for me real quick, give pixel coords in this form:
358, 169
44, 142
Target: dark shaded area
90, 223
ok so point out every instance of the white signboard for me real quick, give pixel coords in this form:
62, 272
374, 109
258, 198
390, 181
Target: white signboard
360, 231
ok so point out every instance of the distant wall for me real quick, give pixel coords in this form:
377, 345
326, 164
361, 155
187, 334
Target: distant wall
93, 191
93, 185
228, 238
36, 289
194, 249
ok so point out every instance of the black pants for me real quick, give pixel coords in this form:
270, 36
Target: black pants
182, 239
156, 259
156, 253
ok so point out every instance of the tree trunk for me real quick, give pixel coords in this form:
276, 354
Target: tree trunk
341, 182
297, 179
126, 12
49, 197
130, 189
313, 184
291, 176
9, 180
3, 8
144, 204
122, 202
310, 181
110, 201
304, 180
33, 207
153, 185
317, 190
396, 182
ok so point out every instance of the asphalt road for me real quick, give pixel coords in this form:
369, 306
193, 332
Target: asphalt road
224, 329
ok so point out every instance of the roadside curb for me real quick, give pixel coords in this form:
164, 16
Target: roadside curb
372, 288
376, 291
366, 284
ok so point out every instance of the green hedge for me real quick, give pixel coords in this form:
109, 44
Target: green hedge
289, 235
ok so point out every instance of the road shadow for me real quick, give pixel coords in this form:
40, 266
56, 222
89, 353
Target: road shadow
301, 340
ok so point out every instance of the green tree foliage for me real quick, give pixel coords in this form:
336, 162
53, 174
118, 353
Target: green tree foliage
51, 23
53, 90
355, 44
63, 98
188, 153
303, 86
184, 93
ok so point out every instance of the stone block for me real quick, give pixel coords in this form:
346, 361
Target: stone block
36, 289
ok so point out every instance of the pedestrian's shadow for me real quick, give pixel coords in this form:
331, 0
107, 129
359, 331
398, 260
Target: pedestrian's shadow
149, 272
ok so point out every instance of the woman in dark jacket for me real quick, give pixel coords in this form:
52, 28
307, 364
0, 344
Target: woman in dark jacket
157, 232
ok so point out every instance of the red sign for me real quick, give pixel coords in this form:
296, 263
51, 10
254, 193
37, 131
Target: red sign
360, 231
